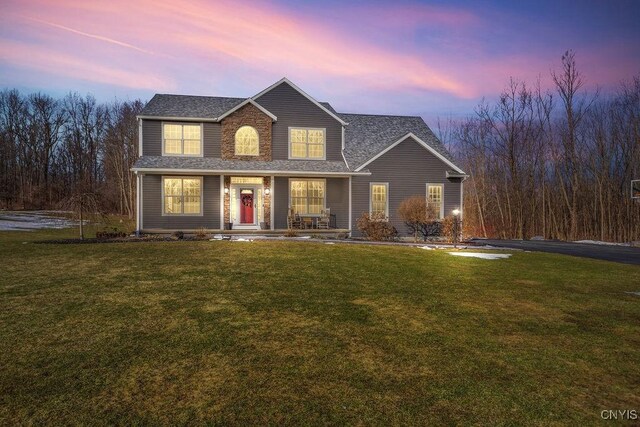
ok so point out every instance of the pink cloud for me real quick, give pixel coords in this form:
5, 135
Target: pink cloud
48, 60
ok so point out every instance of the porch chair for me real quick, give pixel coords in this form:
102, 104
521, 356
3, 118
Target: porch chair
325, 218
293, 220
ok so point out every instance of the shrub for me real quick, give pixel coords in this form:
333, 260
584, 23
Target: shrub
376, 227
418, 216
291, 233
201, 233
448, 228
179, 235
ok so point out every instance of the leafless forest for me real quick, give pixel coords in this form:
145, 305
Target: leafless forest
555, 163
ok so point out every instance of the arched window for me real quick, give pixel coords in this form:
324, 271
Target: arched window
247, 141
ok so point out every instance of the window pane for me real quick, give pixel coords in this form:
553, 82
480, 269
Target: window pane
192, 146
191, 187
192, 205
191, 132
172, 204
299, 135
172, 187
378, 199
298, 149
246, 141
434, 198
173, 146
172, 131
316, 151
316, 136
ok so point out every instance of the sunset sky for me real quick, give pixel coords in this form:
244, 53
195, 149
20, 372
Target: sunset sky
404, 57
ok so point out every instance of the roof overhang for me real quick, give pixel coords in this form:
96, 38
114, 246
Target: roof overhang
303, 93
158, 171
419, 141
457, 175
179, 119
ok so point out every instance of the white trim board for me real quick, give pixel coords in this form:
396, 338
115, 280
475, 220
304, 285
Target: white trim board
419, 141
303, 93
160, 171
245, 102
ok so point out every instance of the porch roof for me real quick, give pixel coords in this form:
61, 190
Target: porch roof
210, 165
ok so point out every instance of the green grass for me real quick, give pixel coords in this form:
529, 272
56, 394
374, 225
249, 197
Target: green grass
308, 333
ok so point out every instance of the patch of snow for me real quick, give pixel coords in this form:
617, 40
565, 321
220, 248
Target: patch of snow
27, 221
241, 239
599, 242
480, 255
428, 248
633, 293
329, 243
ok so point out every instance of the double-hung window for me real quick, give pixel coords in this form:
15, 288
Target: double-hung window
182, 195
435, 194
181, 139
379, 200
307, 196
306, 143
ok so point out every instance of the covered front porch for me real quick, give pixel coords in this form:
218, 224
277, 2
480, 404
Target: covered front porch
281, 203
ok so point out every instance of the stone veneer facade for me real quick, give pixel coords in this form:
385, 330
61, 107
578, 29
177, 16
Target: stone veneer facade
249, 115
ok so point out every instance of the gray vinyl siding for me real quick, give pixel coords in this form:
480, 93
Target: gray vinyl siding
337, 199
152, 138
293, 109
407, 168
152, 217
281, 202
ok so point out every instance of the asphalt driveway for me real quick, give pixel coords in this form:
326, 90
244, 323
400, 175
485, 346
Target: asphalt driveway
624, 254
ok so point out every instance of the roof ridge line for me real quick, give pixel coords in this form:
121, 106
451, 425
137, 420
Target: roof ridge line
380, 115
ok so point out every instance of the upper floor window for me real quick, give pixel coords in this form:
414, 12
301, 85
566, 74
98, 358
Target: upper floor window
435, 199
247, 141
182, 139
306, 143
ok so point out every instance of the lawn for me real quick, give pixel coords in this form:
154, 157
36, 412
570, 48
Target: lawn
309, 333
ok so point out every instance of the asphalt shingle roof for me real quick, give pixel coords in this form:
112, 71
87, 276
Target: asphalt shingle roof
216, 164
365, 135
368, 134
162, 105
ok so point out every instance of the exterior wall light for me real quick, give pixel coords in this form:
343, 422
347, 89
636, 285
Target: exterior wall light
226, 190
267, 191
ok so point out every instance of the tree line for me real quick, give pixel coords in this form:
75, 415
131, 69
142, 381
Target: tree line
553, 163
52, 150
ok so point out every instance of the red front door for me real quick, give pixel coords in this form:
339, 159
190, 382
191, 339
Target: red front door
246, 206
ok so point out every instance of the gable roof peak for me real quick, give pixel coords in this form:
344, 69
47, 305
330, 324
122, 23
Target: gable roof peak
303, 93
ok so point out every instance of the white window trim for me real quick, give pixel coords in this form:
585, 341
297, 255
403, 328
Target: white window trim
324, 152
183, 177
164, 153
324, 200
434, 184
386, 184
235, 145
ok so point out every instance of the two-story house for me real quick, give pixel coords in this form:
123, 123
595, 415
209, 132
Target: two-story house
250, 164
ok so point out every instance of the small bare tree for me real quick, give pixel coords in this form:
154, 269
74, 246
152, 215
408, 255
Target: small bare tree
82, 203
417, 215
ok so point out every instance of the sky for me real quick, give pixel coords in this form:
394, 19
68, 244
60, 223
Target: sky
434, 59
